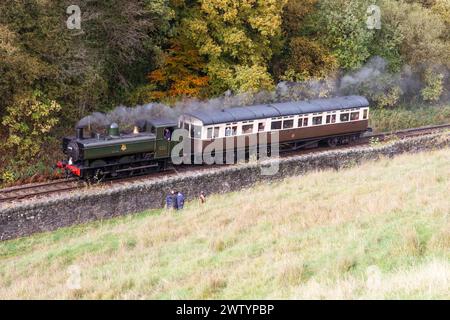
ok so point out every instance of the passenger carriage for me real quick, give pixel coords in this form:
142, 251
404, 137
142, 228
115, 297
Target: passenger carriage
298, 124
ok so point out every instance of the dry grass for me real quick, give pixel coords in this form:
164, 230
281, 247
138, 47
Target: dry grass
380, 230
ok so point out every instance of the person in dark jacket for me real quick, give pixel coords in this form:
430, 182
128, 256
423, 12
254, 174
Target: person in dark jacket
180, 201
171, 200
167, 134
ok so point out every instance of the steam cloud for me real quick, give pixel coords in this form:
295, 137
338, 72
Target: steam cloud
373, 77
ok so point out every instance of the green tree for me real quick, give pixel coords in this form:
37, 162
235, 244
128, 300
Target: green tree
308, 59
236, 37
28, 120
433, 86
420, 33
301, 57
341, 26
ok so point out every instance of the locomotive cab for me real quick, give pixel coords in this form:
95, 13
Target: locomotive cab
163, 130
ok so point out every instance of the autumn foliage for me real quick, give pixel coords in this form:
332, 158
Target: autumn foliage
181, 74
142, 51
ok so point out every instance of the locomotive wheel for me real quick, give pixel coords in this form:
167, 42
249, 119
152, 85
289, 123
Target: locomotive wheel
97, 175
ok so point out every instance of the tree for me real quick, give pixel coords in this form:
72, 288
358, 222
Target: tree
308, 59
28, 120
18, 69
236, 38
181, 74
442, 8
96, 67
341, 26
301, 56
433, 86
421, 33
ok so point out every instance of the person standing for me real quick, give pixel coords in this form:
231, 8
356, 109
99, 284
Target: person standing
180, 201
170, 200
202, 197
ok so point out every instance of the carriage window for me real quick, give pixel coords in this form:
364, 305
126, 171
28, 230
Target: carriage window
331, 118
209, 133
300, 122
230, 131
365, 114
276, 125
186, 126
305, 122
354, 116
344, 117
288, 124
261, 126
248, 128
317, 120
196, 132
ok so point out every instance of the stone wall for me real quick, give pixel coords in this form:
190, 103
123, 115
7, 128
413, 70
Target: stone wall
101, 203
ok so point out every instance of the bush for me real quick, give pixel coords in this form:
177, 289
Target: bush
389, 98
28, 120
434, 86
396, 119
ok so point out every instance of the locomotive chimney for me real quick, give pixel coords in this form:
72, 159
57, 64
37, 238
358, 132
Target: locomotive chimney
80, 133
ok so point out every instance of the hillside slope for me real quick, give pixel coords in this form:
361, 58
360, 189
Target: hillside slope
380, 230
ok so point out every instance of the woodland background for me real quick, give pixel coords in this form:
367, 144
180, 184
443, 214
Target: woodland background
180, 52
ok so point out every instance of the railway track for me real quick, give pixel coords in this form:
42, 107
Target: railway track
37, 189
45, 189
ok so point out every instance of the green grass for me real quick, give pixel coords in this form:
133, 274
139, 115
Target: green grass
380, 230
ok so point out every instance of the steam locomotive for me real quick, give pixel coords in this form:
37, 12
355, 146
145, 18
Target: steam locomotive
299, 124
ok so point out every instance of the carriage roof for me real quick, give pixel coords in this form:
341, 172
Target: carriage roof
278, 109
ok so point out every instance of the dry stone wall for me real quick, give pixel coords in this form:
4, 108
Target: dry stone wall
88, 205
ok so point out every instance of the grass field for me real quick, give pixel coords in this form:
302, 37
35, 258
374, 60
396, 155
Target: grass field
379, 231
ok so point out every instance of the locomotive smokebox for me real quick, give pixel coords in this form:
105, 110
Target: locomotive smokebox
80, 133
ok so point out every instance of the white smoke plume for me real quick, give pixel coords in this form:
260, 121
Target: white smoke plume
373, 78
373, 69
